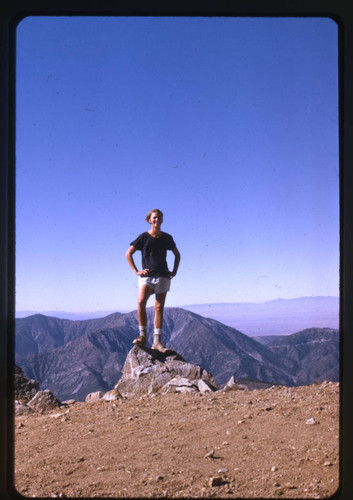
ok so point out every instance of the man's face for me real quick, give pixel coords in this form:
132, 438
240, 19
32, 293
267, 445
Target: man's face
156, 219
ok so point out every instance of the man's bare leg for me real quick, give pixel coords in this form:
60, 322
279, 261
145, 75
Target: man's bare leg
144, 293
158, 322
159, 309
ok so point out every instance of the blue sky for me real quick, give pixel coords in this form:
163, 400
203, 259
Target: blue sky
228, 125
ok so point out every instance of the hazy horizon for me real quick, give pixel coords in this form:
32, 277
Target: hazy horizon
150, 304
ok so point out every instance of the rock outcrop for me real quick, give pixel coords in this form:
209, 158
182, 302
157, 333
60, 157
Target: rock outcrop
28, 397
231, 385
94, 396
147, 371
25, 388
44, 401
22, 408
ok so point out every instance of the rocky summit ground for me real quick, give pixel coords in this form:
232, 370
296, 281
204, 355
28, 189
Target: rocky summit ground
278, 442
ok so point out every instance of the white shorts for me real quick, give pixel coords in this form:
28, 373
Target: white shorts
158, 285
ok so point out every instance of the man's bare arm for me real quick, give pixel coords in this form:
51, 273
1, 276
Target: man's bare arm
129, 256
176, 262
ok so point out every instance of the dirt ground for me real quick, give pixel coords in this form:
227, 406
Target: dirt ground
278, 442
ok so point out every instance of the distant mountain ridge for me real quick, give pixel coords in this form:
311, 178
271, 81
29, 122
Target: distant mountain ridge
73, 358
275, 317
38, 333
74, 316
314, 351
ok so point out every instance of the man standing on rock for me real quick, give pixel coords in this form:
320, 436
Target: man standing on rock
154, 277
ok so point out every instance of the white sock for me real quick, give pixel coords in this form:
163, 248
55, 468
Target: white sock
143, 330
157, 335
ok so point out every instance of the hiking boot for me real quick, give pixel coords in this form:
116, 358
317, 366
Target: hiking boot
158, 346
141, 341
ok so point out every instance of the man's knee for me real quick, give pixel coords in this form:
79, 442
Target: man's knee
158, 306
159, 303
141, 302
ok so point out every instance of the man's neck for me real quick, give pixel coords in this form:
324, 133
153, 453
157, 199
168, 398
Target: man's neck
155, 232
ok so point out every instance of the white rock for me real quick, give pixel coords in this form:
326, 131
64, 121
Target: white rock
311, 421
231, 385
179, 384
44, 400
94, 396
112, 395
22, 408
204, 386
69, 402
184, 389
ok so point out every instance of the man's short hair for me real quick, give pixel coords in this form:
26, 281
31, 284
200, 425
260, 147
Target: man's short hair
148, 216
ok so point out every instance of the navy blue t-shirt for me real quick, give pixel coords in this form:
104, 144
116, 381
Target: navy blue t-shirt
154, 252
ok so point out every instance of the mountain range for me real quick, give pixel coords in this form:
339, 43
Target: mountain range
74, 358
275, 317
